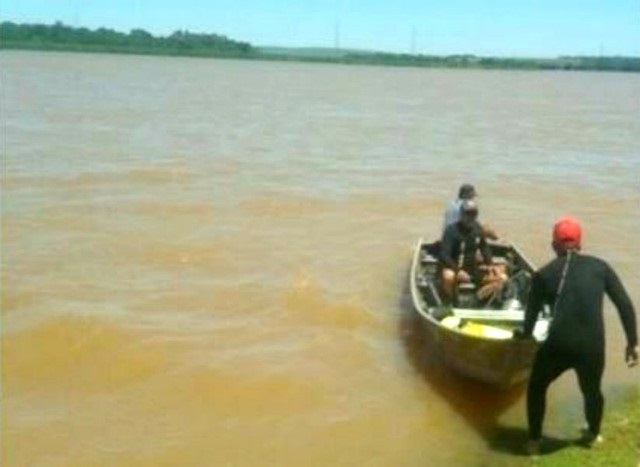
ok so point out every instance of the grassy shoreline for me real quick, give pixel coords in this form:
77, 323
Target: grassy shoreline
330, 56
61, 38
621, 446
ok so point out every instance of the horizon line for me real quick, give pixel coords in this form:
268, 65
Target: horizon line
341, 48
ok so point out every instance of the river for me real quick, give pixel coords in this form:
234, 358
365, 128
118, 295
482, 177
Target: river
204, 262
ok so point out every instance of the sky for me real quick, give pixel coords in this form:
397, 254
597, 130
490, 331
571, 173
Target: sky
517, 28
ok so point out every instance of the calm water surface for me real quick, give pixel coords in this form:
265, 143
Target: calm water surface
204, 261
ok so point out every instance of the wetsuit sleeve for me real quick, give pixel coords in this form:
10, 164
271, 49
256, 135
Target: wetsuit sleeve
620, 298
534, 306
446, 252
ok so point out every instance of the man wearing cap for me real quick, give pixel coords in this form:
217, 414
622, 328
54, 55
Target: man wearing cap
574, 285
461, 242
452, 214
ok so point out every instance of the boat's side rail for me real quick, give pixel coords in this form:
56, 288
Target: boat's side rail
488, 315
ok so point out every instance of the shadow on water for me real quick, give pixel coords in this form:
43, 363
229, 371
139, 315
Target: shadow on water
479, 404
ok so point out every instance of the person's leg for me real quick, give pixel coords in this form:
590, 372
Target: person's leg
589, 369
547, 366
492, 282
448, 282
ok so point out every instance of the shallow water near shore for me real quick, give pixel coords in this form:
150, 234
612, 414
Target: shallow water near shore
204, 262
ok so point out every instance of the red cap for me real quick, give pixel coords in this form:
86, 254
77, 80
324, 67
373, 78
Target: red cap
567, 231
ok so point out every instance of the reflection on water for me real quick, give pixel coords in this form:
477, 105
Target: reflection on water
203, 261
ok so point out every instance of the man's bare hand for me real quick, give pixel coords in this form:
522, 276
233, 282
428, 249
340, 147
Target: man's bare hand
463, 276
631, 356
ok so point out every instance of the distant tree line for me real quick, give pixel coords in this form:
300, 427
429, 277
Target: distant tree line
61, 37
138, 41
631, 64
472, 61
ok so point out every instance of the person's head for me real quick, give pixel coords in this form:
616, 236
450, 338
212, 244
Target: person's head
468, 211
467, 191
567, 235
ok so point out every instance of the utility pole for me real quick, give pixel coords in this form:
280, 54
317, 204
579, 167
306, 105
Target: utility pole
336, 35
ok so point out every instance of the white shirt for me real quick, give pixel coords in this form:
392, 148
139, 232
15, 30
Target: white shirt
452, 214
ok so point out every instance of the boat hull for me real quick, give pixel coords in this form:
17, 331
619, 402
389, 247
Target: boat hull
502, 362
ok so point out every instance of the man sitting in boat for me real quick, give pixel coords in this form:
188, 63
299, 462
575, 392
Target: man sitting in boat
452, 214
464, 254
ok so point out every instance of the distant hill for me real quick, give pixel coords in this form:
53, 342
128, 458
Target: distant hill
138, 41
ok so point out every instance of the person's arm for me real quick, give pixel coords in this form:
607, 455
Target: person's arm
489, 232
484, 247
451, 215
618, 295
446, 250
534, 306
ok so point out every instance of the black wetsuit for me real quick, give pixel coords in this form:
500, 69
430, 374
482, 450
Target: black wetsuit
576, 334
460, 239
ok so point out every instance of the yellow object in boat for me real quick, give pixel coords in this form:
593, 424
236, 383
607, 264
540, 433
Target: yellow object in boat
484, 330
451, 322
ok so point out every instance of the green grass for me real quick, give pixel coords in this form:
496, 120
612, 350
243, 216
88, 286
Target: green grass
305, 52
621, 446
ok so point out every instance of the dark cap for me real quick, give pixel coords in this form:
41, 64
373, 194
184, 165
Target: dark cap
467, 191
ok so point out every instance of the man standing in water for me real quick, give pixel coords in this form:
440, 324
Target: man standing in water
574, 286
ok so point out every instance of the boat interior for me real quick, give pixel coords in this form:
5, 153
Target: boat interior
496, 314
